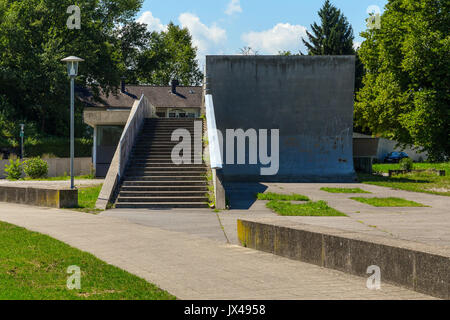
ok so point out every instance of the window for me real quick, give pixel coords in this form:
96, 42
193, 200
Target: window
109, 136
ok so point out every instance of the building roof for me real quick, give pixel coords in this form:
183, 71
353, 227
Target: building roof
160, 97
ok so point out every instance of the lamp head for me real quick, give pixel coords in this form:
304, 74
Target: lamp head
72, 65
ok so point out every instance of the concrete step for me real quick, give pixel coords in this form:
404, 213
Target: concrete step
146, 155
152, 194
162, 205
167, 178
164, 189
176, 174
166, 164
162, 199
161, 169
154, 158
169, 183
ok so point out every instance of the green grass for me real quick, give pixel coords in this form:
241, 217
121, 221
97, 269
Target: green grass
385, 167
87, 197
319, 208
388, 202
281, 197
344, 190
34, 267
416, 182
425, 182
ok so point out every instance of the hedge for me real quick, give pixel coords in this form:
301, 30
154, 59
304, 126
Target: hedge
58, 147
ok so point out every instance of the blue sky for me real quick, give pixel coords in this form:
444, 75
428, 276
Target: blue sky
268, 26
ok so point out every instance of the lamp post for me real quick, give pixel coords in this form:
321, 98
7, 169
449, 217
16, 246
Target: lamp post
72, 69
22, 134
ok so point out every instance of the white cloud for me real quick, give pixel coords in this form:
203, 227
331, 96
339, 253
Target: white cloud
208, 40
282, 37
356, 45
234, 7
154, 24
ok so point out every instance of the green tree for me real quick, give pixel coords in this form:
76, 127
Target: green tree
405, 94
34, 37
170, 55
334, 36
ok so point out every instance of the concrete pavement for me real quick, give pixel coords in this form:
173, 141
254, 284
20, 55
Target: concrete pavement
192, 264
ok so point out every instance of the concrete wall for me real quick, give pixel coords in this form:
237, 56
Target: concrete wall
57, 167
309, 99
416, 266
42, 197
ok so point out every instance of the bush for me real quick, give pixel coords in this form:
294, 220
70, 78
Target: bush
406, 164
14, 169
35, 168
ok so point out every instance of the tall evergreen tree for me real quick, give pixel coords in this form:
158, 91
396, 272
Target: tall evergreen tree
333, 37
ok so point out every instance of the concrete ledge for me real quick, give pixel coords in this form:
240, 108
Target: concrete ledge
42, 197
416, 266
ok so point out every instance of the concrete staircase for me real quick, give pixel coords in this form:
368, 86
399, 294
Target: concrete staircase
153, 181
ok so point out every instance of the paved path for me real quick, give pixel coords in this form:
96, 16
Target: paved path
428, 225
191, 264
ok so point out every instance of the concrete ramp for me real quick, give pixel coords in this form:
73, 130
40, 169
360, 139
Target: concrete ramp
310, 101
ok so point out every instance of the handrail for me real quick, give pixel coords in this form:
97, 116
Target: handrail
140, 111
214, 145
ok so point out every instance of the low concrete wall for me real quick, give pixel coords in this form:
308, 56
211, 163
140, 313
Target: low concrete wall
57, 167
412, 265
43, 197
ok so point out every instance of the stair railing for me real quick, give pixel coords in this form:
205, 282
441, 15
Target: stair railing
215, 153
213, 138
140, 111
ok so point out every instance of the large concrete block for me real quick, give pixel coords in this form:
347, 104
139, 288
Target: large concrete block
336, 253
437, 281
55, 198
309, 99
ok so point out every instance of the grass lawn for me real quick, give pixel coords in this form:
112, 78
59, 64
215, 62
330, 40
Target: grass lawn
319, 208
344, 190
388, 202
418, 182
385, 167
34, 267
281, 197
87, 197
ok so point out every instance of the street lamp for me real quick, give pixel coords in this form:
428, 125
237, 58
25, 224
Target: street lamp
72, 70
22, 134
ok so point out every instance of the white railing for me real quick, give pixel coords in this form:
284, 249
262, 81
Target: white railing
215, 153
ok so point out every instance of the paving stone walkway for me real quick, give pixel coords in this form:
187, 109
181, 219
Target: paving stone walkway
191, 264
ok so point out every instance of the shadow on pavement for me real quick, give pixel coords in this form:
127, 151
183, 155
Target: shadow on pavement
242, 196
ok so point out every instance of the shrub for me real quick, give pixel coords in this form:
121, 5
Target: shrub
35, 168
14, 169
406, 164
